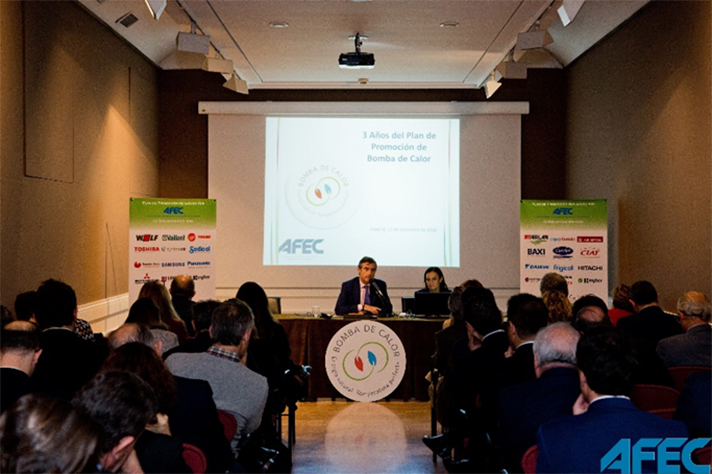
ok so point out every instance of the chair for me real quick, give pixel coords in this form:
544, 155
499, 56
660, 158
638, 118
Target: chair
653, 397
434, 376
194, 458
703, 456
680, 374
666, 413
529, 460
229, 424
293, 387
275, 304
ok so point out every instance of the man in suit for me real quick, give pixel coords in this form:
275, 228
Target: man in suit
694, 407
182, 292
19, 353
523, 408
67, 361
526, 315
202, 316
694, 346
365, 293
603, 414
650, 324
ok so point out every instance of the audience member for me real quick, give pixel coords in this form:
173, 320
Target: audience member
120, 404
694, 346
25, 304
650, 324
6, 316
558, 305
67, 362
526, 315
19, 353
159, 294
202, 317
434, 281
621, 304
553, 282
44, 434
133, 332
603, 413
236, 388
590, 311
694, 407
525, 407
182, 292
145, 312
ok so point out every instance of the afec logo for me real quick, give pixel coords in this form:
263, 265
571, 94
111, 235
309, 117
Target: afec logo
304, 246
173, 210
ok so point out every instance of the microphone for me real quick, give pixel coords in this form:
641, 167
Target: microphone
380, 295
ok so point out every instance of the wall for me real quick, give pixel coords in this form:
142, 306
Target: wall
81, 142
639, 121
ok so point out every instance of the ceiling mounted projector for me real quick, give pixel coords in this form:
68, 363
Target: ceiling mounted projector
357, 60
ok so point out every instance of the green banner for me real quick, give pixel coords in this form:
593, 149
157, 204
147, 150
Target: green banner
589, 214
195, 213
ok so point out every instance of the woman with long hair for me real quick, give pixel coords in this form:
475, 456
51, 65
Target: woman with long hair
158, 292
145, 312
434, 281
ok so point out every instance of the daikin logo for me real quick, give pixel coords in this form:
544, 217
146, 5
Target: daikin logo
529, 266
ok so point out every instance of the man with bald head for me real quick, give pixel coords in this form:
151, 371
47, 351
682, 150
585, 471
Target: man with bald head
523, 408
19, 353
694, 346
133, 332
182, 292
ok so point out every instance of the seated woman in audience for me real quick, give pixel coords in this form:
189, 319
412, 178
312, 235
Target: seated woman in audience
43, 434
434, 281
558, 305
622, 306
158, 292
144, 311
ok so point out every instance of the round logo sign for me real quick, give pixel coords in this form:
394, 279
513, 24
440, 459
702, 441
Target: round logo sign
365, 361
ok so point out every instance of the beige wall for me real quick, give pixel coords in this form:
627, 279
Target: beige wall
88, 143
639, 108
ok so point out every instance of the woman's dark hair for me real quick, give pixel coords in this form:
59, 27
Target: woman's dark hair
256, 298
158, 292
145, 312
621, 298
44, 434
443, 285
143, 361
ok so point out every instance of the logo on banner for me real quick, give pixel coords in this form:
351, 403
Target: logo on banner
563, 239
529, 266
564, 211
173, 210
198, 264
191, 237
563, 268
589, 268
365, 361
172, 237
172, 249
146, 249
173, 264
536, 239
146, 238
662, 455
536, 252
590, 252
596, 239
590, 281
563, 252
147, 265
198, 249
532, 279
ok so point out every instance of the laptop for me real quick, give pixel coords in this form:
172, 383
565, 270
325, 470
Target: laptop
431, 304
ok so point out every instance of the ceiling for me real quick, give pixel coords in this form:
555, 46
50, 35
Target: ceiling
411, 49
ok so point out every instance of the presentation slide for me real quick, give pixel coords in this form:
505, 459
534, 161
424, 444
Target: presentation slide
336, 186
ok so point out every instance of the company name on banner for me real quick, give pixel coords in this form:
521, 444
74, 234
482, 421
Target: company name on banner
365, 361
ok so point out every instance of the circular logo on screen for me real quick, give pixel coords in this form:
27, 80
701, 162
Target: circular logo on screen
322, 196
365, 361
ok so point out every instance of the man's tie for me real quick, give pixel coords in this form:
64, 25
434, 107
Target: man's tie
366, 295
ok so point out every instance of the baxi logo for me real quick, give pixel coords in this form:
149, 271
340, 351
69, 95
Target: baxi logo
563, 252
536, 252
661, 455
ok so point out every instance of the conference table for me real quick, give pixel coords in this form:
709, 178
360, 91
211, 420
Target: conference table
309, 338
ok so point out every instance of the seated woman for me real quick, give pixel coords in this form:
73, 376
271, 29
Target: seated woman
144, 311
158, 292
434, 281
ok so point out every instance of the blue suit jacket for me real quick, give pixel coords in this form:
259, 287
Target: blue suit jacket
577, 443
350, 297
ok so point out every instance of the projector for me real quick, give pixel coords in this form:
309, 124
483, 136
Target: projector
357, 60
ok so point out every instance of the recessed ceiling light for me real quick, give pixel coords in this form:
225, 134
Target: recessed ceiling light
449, 24
353, 37
278, 24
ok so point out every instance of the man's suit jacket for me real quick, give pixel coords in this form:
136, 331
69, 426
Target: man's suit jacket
694, 347
520, 367
649, 326
523, 408
350, 297
577, 443
14, 383
694, 408
159, 453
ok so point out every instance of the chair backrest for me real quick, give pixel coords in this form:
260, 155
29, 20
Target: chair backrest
229, 424
195, 459
666, 413
703, 456
529, 460
275, 304
653, 397
680, 374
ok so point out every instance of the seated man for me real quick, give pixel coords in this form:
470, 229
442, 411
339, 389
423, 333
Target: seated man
526, 314
603, 414
364, 293
236, 388
19, 352
182, 292
694, 346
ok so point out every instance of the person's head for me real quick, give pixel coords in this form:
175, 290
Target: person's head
44, 434
555, 346
553, 282
232, 324
159, 294
56, 305
434, 280
120, 404
132, 332
558, 305
256, 298
526, 314
182, 286
6, 316
590, 311
367, 270
20, 346
642, 294
621, 298
145, 312
143, 361
203, 314
607, 361
25, 304
480, 310
693, 308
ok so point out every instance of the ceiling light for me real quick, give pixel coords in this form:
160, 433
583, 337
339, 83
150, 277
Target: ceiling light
449, 24
156, 7
223, 66
193, 43
236, 84
568, 10
491, 85
534, 39
357, 60
279, 24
